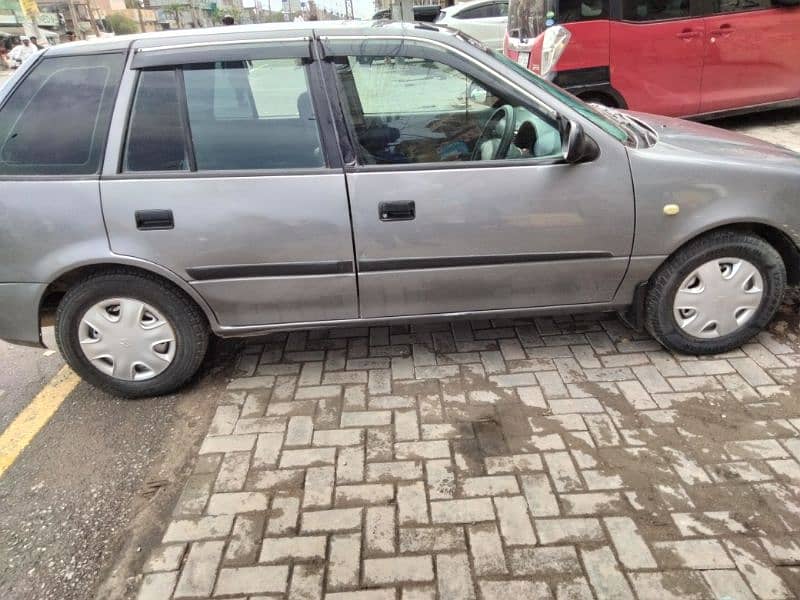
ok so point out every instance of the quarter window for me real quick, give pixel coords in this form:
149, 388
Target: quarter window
156, 137
252, 115
655, 10
56, 122
406, 111
484, 11
572, 11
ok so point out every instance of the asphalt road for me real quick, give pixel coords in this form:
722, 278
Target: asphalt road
94, 481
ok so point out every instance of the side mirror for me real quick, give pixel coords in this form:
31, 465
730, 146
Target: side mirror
477, 94
576, 146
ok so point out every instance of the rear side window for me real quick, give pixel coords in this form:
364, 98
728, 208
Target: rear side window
156, 138
727, 6
484, 11
252, 115
655, 10
573, 11
56, 122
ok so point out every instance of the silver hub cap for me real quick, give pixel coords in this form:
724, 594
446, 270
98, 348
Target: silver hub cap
718, 298
127, 339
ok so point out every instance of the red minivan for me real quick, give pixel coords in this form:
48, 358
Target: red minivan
698, 58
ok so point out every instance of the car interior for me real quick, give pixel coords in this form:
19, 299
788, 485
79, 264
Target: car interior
472, 124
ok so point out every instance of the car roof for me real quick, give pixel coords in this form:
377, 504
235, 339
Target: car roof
310, 29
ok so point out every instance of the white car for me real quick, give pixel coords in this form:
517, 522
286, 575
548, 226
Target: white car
482, 19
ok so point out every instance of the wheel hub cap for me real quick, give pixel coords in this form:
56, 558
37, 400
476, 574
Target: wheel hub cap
127, 339
718, 298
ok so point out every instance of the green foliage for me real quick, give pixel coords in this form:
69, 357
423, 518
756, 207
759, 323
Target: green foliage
120, 24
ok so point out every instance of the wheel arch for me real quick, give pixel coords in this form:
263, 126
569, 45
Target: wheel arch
64, 280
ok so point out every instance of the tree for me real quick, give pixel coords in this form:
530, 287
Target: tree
120, 24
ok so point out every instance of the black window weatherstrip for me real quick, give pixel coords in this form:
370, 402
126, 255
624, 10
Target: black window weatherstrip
333, 267
402, 264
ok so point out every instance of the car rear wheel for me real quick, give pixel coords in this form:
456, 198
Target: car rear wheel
131, 334
715, 293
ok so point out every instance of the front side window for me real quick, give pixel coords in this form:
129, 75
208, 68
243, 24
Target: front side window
573, 11
655, 10
252, 115
56, 122
407, 110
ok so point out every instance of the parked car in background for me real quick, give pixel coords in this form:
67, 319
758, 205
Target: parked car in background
699, 58
423, 13
485, 20
243, 180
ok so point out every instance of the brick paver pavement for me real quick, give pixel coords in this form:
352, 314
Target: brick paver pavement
547, 458
562, 458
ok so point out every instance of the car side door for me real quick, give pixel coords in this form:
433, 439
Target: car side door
221, 173
751, 54
439, 225
656, 55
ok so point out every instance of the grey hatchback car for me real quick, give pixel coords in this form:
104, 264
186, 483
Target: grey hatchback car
163, 187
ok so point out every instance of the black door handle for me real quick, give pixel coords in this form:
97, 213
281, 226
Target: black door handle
154, 219
397, 211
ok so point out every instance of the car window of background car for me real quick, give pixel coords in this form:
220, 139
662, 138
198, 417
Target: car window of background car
252, 115
654, 10
727, 6
156, 136
56, 122
484, 11
416, 111
572, 11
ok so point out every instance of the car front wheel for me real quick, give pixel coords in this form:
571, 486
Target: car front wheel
131, 334
715, 293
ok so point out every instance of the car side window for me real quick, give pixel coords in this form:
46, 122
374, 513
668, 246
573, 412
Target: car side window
572, 11
655, 10
407, 110
156, 134
729, 6
484, 11
252, 115
56, 121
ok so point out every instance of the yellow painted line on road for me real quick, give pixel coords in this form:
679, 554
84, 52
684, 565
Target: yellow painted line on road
35, 416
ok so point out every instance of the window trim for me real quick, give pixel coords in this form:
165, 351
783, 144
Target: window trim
355, 166
106, 133
329, 162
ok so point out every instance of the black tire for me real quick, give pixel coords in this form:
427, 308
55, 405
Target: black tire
186, 319
659, 318
599, 98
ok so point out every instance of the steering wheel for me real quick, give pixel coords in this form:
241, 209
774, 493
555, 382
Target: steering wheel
504, 112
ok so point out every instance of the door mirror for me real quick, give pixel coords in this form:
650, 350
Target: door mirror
477, 94
576, 146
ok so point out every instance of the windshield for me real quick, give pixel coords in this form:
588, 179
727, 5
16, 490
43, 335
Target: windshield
574, 103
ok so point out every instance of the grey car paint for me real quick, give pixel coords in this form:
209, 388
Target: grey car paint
717, 178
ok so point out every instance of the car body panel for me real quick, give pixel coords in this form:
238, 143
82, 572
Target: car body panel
53, 226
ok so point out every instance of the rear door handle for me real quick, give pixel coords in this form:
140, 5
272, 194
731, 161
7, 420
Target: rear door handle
688, 34
154, 219
397, 211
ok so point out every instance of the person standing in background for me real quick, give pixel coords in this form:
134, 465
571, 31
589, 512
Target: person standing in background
22, 51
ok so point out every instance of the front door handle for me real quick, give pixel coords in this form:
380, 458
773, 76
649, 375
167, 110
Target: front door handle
688, 34
724, 29
397, 211
154, 219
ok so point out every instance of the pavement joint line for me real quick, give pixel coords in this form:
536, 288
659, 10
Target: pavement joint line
34, 416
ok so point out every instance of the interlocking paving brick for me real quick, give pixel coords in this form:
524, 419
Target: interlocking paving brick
564, 456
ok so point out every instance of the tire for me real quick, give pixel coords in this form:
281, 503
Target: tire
660, 318
189, 330
603, 99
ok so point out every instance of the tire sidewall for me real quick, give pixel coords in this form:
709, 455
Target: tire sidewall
81, 298
754, 250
